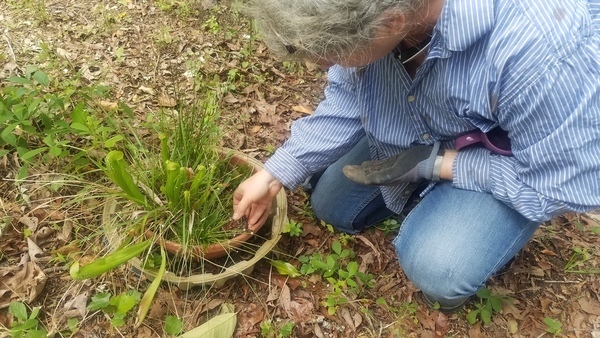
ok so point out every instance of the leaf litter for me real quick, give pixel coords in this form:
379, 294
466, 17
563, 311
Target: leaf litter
148, 57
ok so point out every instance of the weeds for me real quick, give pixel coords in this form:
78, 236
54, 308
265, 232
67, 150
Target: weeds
35, 122
173, 325
341, 271
293, 229
24, 324
489, 304
554, 327
116, 306
270, 329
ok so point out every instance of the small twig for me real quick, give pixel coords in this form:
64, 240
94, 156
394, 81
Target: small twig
561, 281
12, 52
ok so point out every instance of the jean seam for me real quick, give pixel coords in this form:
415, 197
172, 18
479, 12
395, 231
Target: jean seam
497, 265
407, 218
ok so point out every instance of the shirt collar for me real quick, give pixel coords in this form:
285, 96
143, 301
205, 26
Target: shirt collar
463, 22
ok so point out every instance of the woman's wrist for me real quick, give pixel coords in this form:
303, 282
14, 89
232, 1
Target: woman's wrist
447, 162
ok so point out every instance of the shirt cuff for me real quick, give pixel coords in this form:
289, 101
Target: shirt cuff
471, 170
286, 169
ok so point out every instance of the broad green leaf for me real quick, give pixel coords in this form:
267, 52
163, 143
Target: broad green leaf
221, 326
17, 79
286, 269
113, 140
80, 126
337, 247
18, 310
41, 78
126, 301
352, 268
173, 325
486, 316
99, 301
33, 153
472, 317
118, 319
37, 334
55, 151
484, 293
496, 304
79, 115
34, 313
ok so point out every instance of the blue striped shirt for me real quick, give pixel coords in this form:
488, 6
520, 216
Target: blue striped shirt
531, 67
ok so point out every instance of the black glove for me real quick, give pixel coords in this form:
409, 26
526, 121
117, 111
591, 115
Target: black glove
411, 165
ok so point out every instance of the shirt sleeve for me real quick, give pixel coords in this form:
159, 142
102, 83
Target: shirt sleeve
320, 139
554, 127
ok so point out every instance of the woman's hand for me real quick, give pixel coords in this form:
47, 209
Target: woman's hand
253, 198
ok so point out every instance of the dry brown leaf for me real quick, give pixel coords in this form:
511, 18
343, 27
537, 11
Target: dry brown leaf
285, 300
229, 98
267, 112
22, 282
35, 253
274, 294
345, 314
475, 331
165, 100
589, 305
30, 222
65, 232
318, 332
302, 109
108, 105
548, 252
513, 326
302, 310
441, 324
76, 306
147, 90
144, 332
249, 316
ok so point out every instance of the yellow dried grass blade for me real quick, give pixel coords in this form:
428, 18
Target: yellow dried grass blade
148, 297
221, 326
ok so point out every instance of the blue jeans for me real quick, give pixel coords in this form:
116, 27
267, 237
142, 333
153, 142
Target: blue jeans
448, 245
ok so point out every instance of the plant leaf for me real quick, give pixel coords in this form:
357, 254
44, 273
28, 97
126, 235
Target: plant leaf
41, 78
108, 262
472, 317
18, 310
99, 301
173, 325
32, 153
151, 292
286, 269
221, 326
17, 79
116, 169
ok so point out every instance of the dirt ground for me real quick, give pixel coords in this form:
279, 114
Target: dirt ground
148, 53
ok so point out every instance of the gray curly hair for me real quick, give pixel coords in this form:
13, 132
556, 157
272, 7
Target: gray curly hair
315, 29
